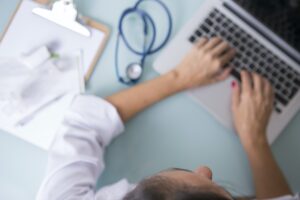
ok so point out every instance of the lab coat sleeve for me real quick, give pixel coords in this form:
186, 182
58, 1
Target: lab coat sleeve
76, 155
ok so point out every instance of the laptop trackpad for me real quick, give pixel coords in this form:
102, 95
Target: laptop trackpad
217, 100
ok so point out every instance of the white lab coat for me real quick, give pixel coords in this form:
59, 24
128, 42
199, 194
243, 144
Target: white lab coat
76, 155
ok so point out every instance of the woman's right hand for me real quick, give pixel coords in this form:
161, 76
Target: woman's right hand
252, 105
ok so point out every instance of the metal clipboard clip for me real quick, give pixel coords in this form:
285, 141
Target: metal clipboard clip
63, 13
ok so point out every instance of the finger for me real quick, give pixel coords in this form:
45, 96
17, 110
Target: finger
236, 95
212, 43
258, 83
246, 81
271, 94
268, 92
221, 48
268, 88
201, 42
224, 74
227, 57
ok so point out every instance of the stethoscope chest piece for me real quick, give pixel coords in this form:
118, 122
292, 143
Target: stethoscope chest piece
134, 71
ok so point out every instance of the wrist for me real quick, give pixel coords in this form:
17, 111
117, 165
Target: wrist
184, 80
255, 143
258, 152
178, 82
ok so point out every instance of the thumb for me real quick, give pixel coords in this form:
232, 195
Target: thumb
236, 94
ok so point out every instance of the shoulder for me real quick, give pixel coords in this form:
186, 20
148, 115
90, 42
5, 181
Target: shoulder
115, 191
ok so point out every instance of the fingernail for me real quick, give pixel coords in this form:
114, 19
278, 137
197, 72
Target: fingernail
233, 84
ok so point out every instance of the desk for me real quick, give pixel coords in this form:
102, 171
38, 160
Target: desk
176, 132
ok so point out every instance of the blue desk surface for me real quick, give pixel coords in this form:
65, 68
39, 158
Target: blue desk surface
176, 132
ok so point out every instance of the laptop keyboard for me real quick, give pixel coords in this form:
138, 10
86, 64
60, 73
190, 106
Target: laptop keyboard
252, 56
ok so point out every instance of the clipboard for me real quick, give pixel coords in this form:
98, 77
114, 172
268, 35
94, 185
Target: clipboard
90, 62
16, 39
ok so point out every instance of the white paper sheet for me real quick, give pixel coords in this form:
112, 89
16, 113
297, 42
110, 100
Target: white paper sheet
28, 32
42, 122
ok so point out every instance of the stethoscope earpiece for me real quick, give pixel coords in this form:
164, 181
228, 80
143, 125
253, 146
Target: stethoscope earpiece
134, 71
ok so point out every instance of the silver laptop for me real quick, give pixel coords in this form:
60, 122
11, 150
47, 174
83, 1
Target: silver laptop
266, 35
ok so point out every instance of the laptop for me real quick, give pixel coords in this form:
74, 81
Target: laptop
266, 35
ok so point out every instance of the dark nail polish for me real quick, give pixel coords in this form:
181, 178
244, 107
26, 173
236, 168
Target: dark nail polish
233, 84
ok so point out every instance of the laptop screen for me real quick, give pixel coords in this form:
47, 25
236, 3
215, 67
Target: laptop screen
281, 16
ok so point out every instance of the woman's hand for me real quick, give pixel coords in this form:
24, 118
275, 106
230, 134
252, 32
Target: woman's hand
252, 105
205, 63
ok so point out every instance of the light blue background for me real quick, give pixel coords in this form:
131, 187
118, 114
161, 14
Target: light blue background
176, 132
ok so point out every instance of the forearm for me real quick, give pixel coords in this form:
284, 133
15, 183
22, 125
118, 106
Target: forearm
136, 99
203, 65
268, 178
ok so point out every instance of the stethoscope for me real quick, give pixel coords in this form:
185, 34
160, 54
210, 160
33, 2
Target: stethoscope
134, 70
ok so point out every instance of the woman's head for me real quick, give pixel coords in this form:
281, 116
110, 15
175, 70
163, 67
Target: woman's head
179, 184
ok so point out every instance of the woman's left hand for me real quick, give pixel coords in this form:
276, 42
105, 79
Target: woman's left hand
205, 63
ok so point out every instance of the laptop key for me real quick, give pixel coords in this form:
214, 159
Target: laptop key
242, 48
219, 19
204, 28
275, 74
192, 39
293, 93
281, 79
257, 50
289, 75
198, 33
236, 74
258, 70
281, 99
285, 92
283, 70
209, 22
278, 110
249, 53
297, 82
252, 67
288, 84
